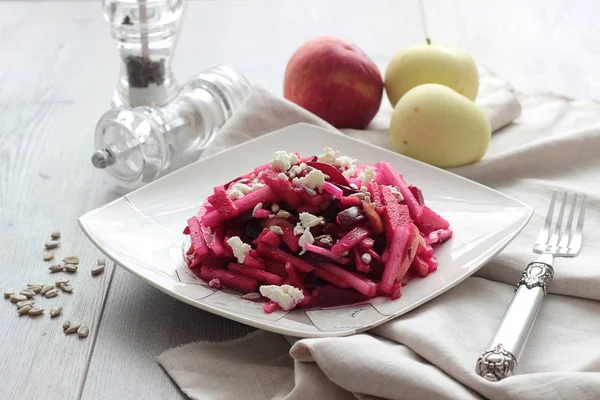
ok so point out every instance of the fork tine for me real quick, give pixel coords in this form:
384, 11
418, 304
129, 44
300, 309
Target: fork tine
567, 234
557, 227
545, 231
575, 244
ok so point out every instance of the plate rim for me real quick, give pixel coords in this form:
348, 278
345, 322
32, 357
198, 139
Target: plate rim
240, 318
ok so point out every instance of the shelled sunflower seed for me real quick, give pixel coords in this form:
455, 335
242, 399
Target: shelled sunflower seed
24, 310
48, 255
27, 293
55, 268
51, 293
8, 293
30, 285
62, 282
35, 289
15, 298
72, 328
36, 311
55, 311
66, 288
52, 244
66, 325
71, 260
70, 268
83, 331
46, 289
55, 235
97, 270
252, 296
22, 304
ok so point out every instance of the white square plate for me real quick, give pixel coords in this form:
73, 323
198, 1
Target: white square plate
142, 232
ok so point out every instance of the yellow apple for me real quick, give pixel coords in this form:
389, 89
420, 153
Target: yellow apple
431, 63
434, 124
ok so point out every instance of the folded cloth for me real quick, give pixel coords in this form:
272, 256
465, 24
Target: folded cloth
430, 353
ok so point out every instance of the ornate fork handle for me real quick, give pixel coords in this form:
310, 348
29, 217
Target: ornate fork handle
505, 349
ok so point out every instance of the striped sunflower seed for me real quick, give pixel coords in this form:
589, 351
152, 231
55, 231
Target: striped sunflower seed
34, 284
359, 195
51, 293
55, 268
55, 235
276, 230
62, 282
8, 293
97, 270
27, 293
66, 325
46, 289
35, 289
36, 311
71, 260
283, 214
72, 329
70, 268
83, 331
252, 296
22, 304
66, 288
48, 255
51, 244
15, 298
55, 311
24, 310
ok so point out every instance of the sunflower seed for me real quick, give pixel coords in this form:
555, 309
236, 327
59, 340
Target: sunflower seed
51, 293
66, 288
25, 303
55, 235
98, 270
366, 258
35, 289
283, 214
252, 296
354, 186
15, 298
36, 311
257, 207
35, 284
48, 255
55, 268
71, 329
102, 261
311, 192
276, 230
8, 293
83, 331
46, 289
360, 195
55, 311
51, 244
364, 189
71, 260
367, 199
70, 268
27, 293
345, 254
66, 325
24, 310
62, 282
275, 207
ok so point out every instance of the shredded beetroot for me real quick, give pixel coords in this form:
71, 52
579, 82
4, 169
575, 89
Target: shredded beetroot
359, 241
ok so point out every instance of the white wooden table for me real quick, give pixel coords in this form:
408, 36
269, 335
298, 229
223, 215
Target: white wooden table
58, 67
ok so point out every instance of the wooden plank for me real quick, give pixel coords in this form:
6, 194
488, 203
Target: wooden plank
257, 37
542, 46
47, 117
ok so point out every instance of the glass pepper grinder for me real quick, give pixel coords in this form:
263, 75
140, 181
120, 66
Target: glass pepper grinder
146, 32
138, 145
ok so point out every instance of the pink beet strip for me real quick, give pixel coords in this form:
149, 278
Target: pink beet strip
411, 252
361, 266
276, 267
254, 262
260, 275
262, 213
308, 208
248, 202
223, 204
335, 175
327, 296
282, 187
269, 238
333, 190
396, 291
200, 247
331, 278
313, 200
280, 255
218, 246
433, 263
397, 249
420, 266
271, 307
439, 236
294, 280
351, 239
346, 202
360, 283
327, 253
229, 279
394, 179
261, 168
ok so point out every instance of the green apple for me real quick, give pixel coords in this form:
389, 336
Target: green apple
434, 124
431, 63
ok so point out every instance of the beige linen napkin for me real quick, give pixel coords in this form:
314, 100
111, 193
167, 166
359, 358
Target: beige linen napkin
430, 352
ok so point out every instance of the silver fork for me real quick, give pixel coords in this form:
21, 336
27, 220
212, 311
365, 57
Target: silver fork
554, 240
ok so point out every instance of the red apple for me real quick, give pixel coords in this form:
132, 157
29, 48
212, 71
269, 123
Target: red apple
335, 80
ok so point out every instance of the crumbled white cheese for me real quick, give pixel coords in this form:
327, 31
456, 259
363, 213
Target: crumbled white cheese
315, 179
350, 172
234, 193
329, 156
283, 214
282, 160
308, 220
276, 230
297, 170
286, 296
344, 162
366, 258
240, 189
298, 229
275, 207
282, 176
306, 238
258, 206
396, 192
367, 175
239, 248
